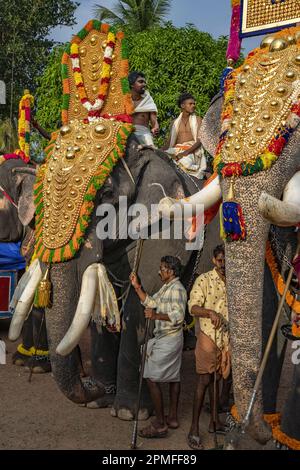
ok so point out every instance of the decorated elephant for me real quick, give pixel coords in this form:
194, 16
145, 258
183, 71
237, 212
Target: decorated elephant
252, 128
78, 274
16, 225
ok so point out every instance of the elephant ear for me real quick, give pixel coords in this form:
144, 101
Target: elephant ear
25, 178
210, 130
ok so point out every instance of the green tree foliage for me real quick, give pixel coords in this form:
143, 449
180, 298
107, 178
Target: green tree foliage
8, 136
138, 15
174, 61
24, 42
49, 91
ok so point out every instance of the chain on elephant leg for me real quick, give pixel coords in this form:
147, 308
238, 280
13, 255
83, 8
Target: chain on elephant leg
106, 401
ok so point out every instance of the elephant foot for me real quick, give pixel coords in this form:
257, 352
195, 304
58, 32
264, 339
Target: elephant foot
38, 365
104, 402
237, 440
259, 430
127, 415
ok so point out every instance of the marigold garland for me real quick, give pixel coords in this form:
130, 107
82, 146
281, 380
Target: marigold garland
23, 152
280, 286
274, 421
105, 77
275, 148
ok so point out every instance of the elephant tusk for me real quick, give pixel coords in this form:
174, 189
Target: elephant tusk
177, 209
281, 213
285, 213
83, 312
23, 297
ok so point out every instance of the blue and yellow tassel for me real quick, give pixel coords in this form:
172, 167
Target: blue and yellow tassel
232, 223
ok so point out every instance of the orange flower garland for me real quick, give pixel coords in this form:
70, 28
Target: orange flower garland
25, 104
94, 108
274, 421
280, 286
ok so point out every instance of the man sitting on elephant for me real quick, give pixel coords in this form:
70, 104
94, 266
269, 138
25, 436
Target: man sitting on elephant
208, 302
164, 350
184, 144
145, 110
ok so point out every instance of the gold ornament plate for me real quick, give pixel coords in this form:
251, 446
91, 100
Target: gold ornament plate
262, 16
91, 53
263, 96
79, 151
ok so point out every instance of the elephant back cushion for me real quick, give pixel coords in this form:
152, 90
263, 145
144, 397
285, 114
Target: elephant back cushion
96, 115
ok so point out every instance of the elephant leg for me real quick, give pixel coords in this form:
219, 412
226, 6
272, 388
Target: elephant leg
39, 363
23, 353
104, 358
129, 361
67, 369
271, 377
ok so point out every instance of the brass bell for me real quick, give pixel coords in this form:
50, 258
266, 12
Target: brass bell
65, 130
278, 45
297, 59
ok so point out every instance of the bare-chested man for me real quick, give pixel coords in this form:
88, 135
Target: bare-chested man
184, 144
145, 110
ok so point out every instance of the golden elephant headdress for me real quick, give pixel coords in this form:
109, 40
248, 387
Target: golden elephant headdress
96, 120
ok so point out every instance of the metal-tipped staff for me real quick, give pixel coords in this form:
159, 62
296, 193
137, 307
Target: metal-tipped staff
138, 403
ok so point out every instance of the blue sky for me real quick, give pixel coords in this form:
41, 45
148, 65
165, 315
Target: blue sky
212, 16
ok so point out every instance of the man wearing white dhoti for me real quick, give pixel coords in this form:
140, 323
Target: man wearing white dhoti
164, 350
184, 144
145, 111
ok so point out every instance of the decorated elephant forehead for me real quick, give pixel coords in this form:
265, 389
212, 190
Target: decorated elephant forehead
80, 160
94, 72
261, 106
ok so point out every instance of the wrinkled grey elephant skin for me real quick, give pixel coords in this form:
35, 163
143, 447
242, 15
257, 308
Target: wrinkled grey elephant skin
253, 301
17, 179
113, 359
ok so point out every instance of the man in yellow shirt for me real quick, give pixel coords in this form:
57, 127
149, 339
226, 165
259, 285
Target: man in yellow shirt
208, 302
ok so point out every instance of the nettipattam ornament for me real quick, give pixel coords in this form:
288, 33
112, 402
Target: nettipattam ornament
260, 113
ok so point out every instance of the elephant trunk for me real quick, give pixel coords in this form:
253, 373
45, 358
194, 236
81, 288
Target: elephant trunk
244, 282
67, 370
